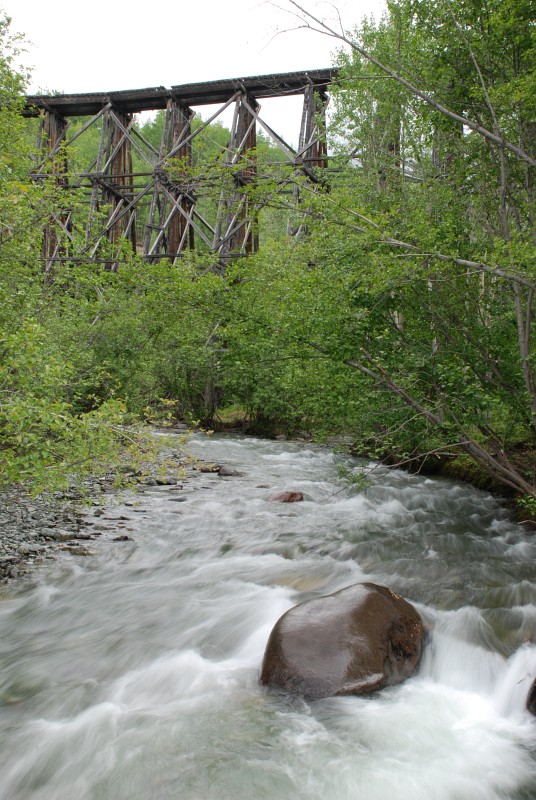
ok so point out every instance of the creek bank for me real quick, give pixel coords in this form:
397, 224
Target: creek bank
36, 529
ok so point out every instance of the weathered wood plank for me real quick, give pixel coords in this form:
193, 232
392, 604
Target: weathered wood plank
134, 101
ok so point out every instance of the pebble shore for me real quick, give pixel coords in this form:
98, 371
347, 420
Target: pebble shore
34, 529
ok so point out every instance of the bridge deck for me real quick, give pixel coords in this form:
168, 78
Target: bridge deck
190, 94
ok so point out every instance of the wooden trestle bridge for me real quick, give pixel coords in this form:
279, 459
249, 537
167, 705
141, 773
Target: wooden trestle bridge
157, 208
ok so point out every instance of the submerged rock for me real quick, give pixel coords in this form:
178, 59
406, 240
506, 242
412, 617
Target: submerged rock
287, 497
227, 472
355, 641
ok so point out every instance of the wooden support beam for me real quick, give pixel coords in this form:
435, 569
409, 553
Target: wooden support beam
117, 216
179, 129
184, 213
117, 183
312, 153
312, 147
51, 134
73, 138
235, 206
174, 230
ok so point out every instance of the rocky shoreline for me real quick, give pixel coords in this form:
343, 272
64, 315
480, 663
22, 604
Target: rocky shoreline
36, 529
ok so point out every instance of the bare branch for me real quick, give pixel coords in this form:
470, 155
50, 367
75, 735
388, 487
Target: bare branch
323, 28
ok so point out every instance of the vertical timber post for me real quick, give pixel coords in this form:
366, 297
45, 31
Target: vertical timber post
113, 183
241, 234
169, 229
94, 207
312, 147
118, 179
51, 133
312, 152
180, 232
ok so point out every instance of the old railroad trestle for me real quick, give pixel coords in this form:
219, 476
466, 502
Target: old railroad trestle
158, 208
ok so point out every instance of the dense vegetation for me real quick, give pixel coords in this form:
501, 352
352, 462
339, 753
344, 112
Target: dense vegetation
403, 318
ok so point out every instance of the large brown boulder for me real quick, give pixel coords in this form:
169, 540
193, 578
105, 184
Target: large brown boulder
354, 641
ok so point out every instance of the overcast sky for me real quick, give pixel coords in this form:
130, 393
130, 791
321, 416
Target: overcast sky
79, 46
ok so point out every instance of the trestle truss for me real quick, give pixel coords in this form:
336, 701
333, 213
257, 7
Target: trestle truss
157, 209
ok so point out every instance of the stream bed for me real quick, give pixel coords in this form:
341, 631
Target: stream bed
132, 673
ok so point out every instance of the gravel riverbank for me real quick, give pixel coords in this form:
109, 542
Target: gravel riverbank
36, 529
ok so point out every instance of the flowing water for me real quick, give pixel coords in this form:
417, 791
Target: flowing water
133, 673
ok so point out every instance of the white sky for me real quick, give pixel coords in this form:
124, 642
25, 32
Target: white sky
106, 45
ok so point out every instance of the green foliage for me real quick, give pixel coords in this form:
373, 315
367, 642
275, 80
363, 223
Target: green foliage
42, 441
352, 478
528, 503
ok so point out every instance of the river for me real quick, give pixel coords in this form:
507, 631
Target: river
132, 674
